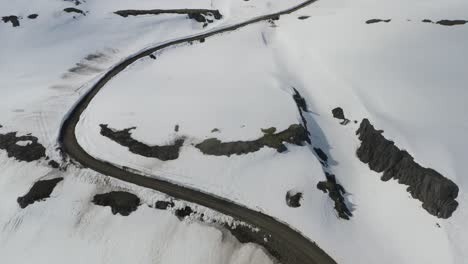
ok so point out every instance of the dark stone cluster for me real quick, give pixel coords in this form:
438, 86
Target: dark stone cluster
376, 20
123, 203
293, 199
124, 138
39, 191
12, 19
295, 134
33, 150
436, 192
335, 192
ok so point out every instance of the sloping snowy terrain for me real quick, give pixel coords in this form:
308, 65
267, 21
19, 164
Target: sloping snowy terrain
406, 76
46, 64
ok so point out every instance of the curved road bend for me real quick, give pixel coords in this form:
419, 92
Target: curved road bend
291, 246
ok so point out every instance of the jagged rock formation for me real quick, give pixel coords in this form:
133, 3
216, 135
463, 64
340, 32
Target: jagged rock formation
163, 205
200, 15
293, 199
29, 151
436, 192
74, 10
123, 203
335, 192
39, 191
295, 134
13, 19
323, 157
124, 138
184, 212
447, 22
372, 21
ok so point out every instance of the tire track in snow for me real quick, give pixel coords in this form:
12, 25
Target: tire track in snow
287, 244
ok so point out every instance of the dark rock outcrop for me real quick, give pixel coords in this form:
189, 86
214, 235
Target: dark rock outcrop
295, 134
375, 20
321, 154
12, 19
184, 212
303, 17
54, 164
123, 203
338, 113
124, 138
446, 22
33, 16
293, 199
39, 191
436, 192
163, 205
29, 152
301, 107
200, 15
335, 192
74, 10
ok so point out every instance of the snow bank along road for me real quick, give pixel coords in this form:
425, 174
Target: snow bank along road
285, 243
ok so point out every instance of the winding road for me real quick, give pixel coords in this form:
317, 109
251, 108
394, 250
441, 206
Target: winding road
288, 245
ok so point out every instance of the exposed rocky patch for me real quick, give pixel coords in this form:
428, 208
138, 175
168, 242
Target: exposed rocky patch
33, 16
303, 17
338, 113
375, 20
74, 10
76, 2
295, 134
293, 199
14, 20
124, 138
181, 213
29, 151
436, 192
54, 164
335, 192
38, 192
446, 22
163, 205
122, 203
323, 157
205, 16
301, 107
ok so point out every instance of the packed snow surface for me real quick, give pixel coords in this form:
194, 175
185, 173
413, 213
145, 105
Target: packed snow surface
406, 76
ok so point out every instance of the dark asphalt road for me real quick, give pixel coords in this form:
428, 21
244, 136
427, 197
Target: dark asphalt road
291, 245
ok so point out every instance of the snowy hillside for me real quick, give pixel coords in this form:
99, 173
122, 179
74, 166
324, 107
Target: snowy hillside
246, 115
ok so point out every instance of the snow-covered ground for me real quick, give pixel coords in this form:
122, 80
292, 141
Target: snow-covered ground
46, 65
405, 75
69, 228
